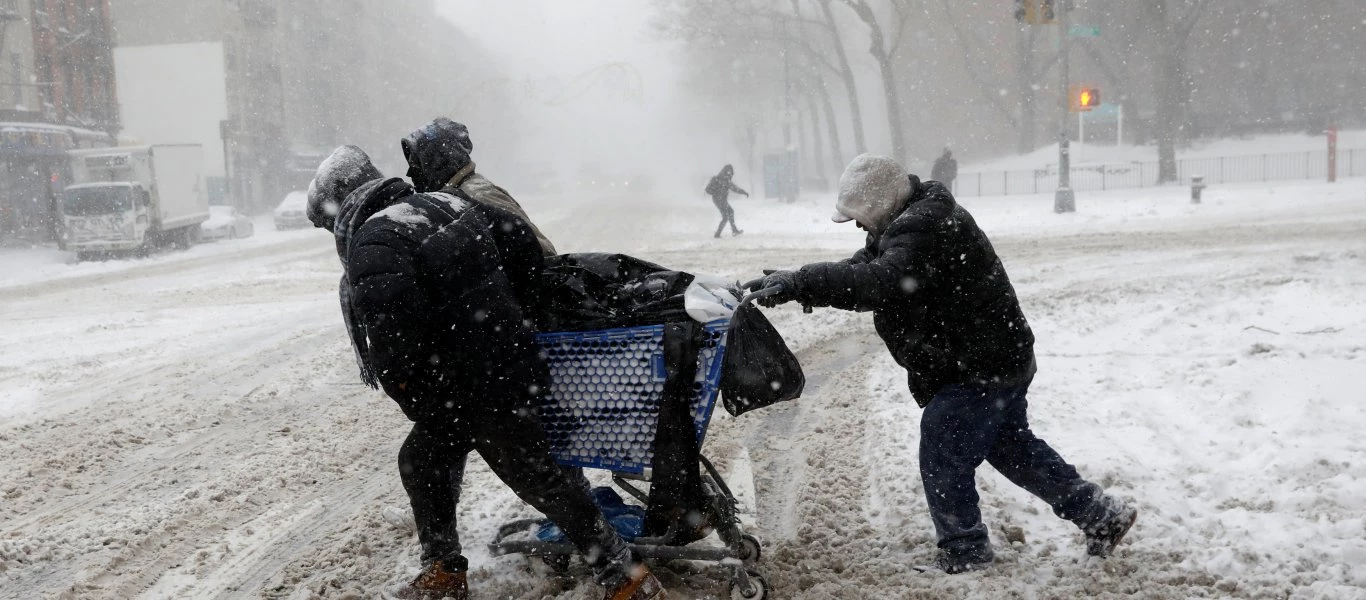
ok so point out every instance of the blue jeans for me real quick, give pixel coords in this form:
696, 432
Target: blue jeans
966, 424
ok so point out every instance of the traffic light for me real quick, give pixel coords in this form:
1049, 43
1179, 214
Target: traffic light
1040, 12
1083, 98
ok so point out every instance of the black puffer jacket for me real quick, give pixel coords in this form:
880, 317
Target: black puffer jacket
437, 284
941, 299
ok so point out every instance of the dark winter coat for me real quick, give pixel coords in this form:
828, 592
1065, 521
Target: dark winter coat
435, 288
438, 157
945, 169
940, 298
721, 185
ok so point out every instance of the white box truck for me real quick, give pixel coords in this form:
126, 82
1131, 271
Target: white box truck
134, 198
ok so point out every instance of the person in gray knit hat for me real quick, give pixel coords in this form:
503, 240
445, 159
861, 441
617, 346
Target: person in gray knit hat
944, 306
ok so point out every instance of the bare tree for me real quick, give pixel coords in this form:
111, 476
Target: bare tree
812, 83
746, 28
1029, 69
882, 51
837, 157
1171, 26
846, 74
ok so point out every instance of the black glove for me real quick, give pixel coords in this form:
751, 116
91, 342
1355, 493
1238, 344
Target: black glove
786, 285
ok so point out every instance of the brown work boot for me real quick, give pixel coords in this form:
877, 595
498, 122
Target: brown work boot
433, 583
641, 586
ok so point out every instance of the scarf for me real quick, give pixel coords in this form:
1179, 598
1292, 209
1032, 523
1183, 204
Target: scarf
359, 206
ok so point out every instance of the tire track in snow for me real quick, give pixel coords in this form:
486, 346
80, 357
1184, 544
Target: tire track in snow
168, 264
152, 472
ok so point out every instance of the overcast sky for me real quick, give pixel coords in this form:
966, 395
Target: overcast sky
557, 45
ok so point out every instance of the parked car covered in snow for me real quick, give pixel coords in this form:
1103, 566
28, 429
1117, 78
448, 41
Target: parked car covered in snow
225, 223
292, 211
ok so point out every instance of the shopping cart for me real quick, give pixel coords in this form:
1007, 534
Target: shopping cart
601, 413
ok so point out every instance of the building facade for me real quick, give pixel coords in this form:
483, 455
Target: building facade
57, 93
300, 78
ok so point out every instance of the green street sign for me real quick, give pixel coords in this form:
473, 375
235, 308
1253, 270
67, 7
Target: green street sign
1083, 31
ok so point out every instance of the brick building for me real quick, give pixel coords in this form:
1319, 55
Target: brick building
57, 93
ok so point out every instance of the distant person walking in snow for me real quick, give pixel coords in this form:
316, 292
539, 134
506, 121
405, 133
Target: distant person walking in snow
436, 294
438, 156
719, 188
945, 169
944, 306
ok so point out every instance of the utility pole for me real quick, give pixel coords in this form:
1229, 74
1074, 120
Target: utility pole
1064, 200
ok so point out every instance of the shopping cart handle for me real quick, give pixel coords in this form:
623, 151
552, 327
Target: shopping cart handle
756, 295
771, 290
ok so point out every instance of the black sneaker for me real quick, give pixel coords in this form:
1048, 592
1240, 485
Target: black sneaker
1101, 540
954, 563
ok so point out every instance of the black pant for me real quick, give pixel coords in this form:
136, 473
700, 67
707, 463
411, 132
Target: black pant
967, 424
727, 215
512, 442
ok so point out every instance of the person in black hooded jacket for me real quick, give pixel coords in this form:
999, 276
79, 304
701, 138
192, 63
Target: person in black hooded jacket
438, 156
434, 294
943, 304
719, 188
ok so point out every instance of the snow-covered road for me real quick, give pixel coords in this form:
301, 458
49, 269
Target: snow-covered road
191, 426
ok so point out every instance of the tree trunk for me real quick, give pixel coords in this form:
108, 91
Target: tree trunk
836, 153
1166, 116
817, 147
847, 76
892, 96
1029, 110
1173, 87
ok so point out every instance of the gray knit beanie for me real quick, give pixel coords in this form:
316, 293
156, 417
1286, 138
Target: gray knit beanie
873, 190
341, 173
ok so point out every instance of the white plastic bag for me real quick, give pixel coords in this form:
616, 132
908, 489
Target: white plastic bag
709, 298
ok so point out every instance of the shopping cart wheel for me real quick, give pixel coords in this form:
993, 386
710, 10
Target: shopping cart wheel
749, 549
755, 587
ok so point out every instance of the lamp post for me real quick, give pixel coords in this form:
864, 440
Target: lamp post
1064, 199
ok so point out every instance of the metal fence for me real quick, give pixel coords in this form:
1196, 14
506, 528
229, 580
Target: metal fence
1225, 169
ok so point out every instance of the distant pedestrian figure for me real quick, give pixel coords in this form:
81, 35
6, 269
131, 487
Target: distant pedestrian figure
719, 188
945, 169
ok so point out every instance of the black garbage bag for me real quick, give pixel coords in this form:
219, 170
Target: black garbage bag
589, 291
758, 369
677, 500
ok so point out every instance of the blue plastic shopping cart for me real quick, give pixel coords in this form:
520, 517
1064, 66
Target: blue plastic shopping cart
602, 412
